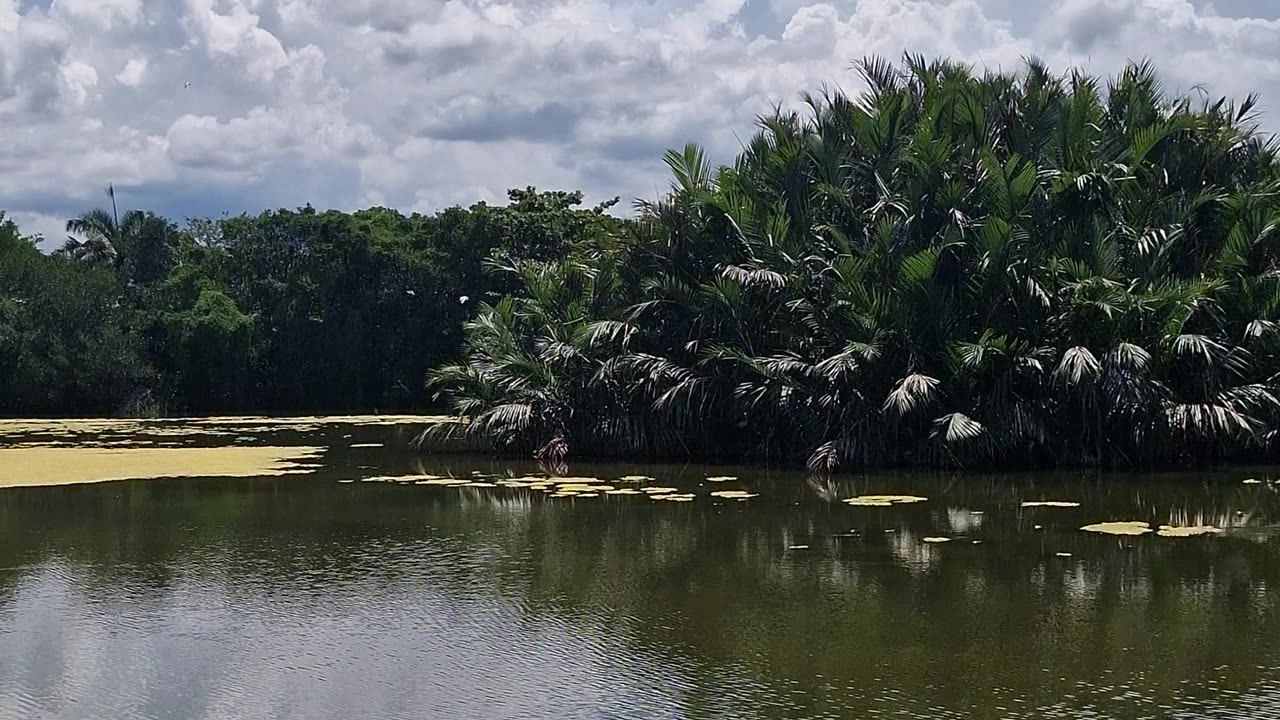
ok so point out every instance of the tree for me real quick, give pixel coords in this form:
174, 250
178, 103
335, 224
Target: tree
949, 268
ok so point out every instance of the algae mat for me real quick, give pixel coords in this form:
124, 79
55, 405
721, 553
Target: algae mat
26, 467
204, 424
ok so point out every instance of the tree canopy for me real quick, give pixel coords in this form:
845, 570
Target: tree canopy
285, 311
946, 268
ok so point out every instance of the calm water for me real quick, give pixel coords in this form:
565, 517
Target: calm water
310, 598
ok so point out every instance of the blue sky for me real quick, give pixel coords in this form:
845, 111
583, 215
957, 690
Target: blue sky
420, 104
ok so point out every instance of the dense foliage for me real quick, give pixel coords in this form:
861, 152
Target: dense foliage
947, 268
287, 311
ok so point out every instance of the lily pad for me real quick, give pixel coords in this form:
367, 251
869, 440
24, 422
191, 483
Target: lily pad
1192, 531
1051, 504
798, 547
636, 478
479, 485
936, 539
1063, 554
357, 445
1129, 527
722, 478
659, 490
1253, 481
623, 491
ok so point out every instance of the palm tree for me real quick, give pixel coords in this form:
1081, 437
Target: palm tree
949, 268
102, 237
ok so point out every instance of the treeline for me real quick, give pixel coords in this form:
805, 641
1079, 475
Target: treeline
285, 312
948, 268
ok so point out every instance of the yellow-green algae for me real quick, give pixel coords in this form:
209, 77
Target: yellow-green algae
71, 465
883, 500
1190, 531
1127, 527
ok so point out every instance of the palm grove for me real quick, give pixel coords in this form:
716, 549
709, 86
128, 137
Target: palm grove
948, 268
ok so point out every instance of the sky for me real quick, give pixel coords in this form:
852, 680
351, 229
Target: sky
423, 104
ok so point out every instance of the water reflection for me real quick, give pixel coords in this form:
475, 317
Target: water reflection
307, 598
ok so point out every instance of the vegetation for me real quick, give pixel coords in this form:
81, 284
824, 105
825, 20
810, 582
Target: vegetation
287, 311
947, 268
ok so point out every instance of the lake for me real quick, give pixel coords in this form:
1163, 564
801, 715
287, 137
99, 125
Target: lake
328, 573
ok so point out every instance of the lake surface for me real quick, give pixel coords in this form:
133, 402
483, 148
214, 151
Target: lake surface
318, 596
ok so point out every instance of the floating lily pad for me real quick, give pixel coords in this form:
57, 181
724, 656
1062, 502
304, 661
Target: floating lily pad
722, 478
659, 490
480, 485
734, 494
1253, 481
357, 445
1192, 531
635, 478
936, 539
1130, 527
1063, 554
623, 491
588, 495
349, 480
1051, 504
798, 547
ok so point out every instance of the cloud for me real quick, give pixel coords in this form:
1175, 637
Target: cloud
133, 72
102, 14
422, 103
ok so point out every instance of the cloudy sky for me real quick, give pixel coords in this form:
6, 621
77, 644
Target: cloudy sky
420, 104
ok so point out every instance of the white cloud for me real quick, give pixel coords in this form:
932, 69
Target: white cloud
133, 72
419, 103
102, 14
80, 79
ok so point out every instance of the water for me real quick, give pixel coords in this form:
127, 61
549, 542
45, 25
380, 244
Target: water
300, 596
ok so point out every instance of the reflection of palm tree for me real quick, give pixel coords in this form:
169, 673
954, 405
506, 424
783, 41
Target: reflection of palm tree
103, 237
